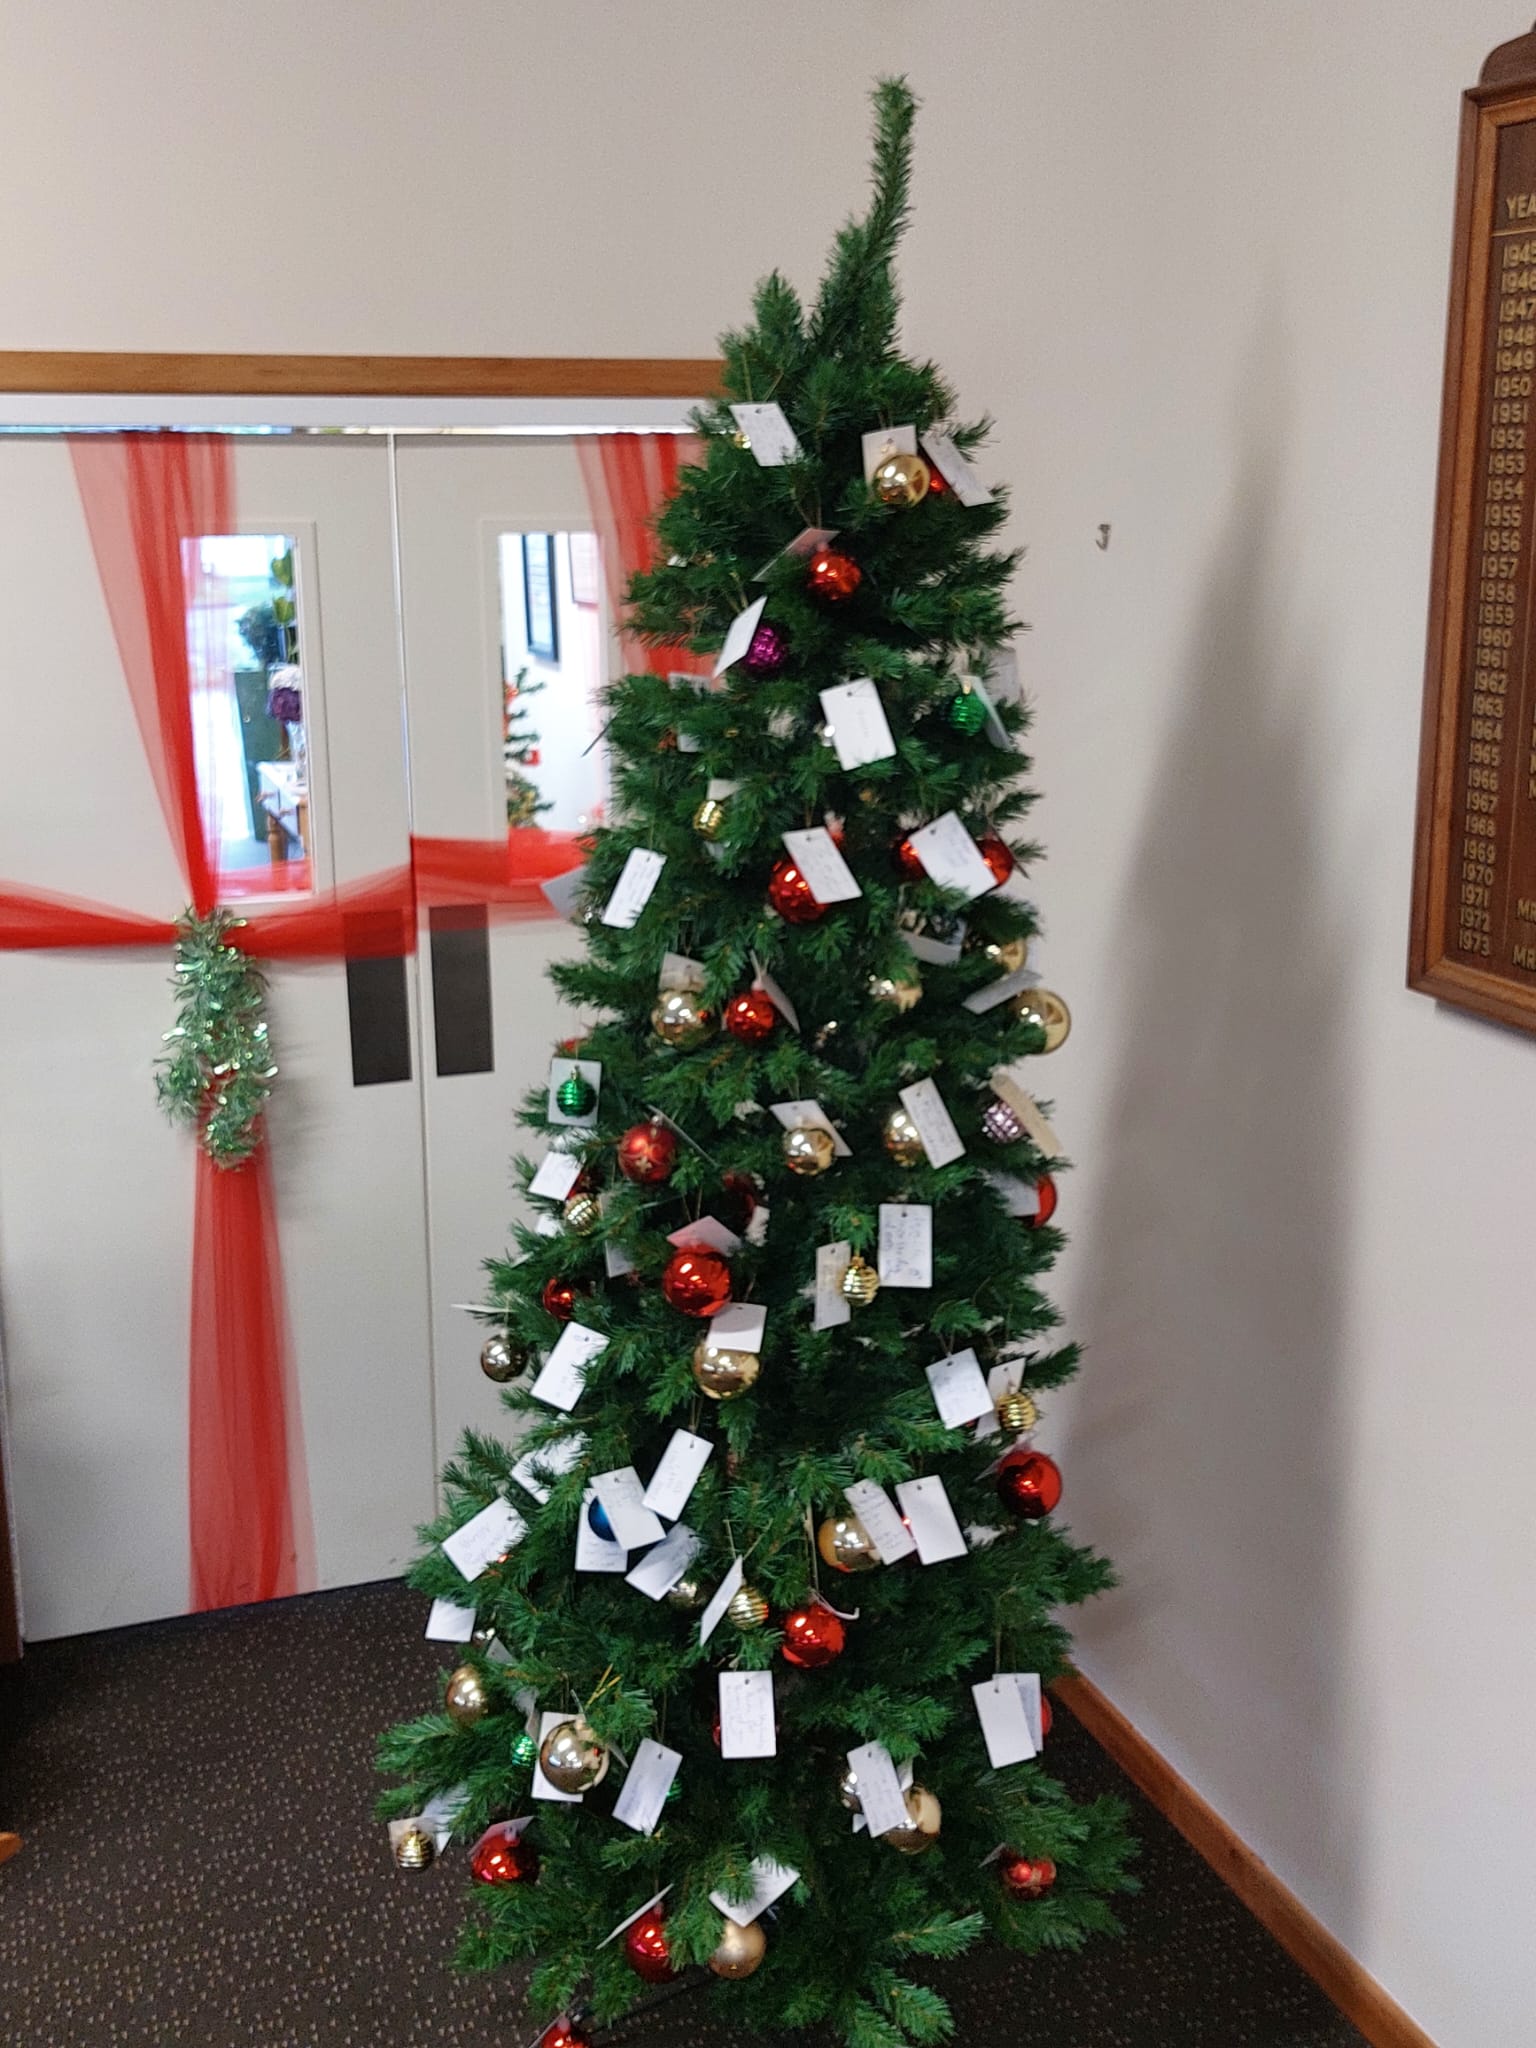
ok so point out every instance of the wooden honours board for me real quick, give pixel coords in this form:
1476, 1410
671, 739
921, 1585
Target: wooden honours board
1474, 909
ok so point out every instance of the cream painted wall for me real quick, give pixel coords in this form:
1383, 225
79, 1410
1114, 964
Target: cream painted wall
1194, 257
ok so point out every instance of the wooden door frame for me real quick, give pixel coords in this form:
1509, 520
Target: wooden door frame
108, 373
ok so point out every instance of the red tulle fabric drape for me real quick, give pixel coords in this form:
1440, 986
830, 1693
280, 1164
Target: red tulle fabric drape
629, 477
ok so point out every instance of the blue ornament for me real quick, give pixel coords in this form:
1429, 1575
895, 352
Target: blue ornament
598, 1522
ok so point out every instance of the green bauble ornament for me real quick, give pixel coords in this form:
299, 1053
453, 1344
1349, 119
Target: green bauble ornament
576, 1096
524, 1751
965, 712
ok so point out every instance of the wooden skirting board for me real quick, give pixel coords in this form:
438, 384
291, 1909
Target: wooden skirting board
1325, 1959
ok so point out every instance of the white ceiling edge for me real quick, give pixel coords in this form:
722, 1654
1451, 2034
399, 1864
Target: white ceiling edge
43, 410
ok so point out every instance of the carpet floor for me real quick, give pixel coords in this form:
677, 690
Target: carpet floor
200, 1867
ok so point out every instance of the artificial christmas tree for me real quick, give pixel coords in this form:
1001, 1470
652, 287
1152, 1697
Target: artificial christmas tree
787, 1727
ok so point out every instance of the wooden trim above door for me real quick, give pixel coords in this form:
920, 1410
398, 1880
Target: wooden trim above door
107, 373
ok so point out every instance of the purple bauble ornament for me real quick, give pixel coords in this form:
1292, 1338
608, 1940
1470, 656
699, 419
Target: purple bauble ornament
768, 652
1000, 1123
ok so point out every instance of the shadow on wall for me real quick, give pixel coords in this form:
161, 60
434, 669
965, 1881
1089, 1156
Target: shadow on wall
1208, 1432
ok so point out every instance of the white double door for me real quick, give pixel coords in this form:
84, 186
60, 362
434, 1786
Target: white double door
389, 1193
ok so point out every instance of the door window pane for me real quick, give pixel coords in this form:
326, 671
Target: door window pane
551, 678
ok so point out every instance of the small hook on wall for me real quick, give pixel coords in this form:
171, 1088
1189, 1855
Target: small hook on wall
1103, 540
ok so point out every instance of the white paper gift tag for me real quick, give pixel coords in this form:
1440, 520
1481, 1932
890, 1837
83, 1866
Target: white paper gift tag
561, 1070
830, 1310
678, 971
450, 1623
1028, 1683
746, 1714
484, 1538
827, 874
925, 944
1004, 1721
439, 1815
558, 1173
950, 856
1009, 1083
563, 892
614, 1932
882, 441
770, 1881
804, 544
677, 1474
859, 730
542, 1788
1020, 1197
708, 1231
772, 437
536, 1470
935, 1126
959, 1391
720, 1599
885, 1528
621, 1497
739, 1326
739, 638
906, 1245
955, 470
931, 1518
564, 1372
616, 1261
905, 1777
1003, 678
796, 1115
596, 1553
881, 1798
645, 1791
663, 1565
991, 993
632, 891
762, 979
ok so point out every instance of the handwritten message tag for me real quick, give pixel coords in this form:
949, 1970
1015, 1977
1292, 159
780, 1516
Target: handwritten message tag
888, 1533
804, 544
906, 1245
795, 1115
762, 979
676, 1476
661, 1568
770, 1881
558, 1173
542, 1788
880, 1795
771, 436
484, 1538
722, 1597
991, 993
829, 1308
563, 1374
739, 1326
882, 441
955, 470
448, 1623
935, 1126
678, 971
708, 1231
622, 1500
959, 1390
739, 638
746, 1714
859, 730
931, 1519
596, 1553
1004, 1721
950, 857
535, 1471
614, 1932
645, 1791
632, 891
827, 874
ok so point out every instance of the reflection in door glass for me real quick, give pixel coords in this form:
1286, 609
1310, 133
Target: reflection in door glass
248, 710
551, 679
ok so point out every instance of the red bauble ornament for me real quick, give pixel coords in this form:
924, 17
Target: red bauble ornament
645, 1949
737, 1202
500, 1858
1027, 1877
936, 484
1046, 1716
905, 860
832, 576
570, 1047
647, 1153
751, 1016
813, 1636
1029, 1483
790, 894
561, 2033
697, 1281
997, 855
559, 1297
1045, 1188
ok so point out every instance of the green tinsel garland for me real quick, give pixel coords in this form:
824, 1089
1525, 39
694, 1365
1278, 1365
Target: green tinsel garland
219, 1071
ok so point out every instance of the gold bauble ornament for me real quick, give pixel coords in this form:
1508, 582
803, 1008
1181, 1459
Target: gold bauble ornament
687, 1593
709, 818
902, 1140
848, 1790
1007, 954
1016, 1412
741, 1949
679, 1019
900, 994
740, 439
721, 1373
583, 1213
1043, 1007
845, 1544
860, 1283
901, 479
748, 1608
415, 1847
924, 1818
465, 1697
502, 1358
808, 1149
572, 1758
